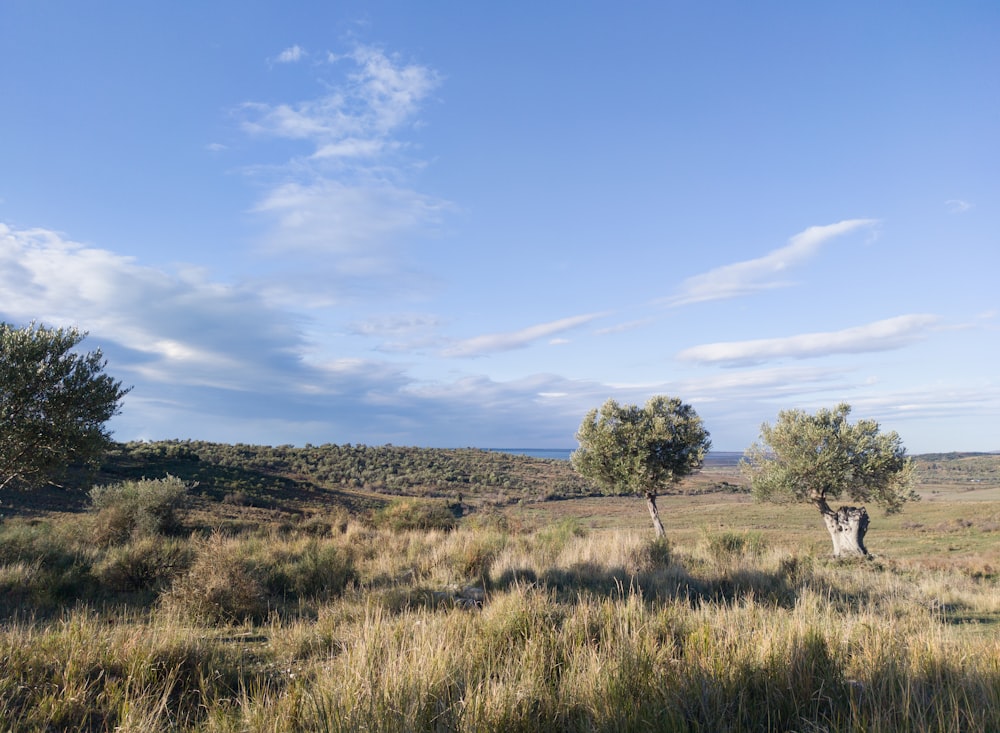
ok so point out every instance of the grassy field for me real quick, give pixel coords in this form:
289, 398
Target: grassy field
555, 615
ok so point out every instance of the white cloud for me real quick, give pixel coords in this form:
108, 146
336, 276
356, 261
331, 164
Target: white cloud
624, 327
329, 217
495, 342
957, 206
762, 273
291, 55
346, 205
891, 333
218, 362
171, 328
353, 148
372, 102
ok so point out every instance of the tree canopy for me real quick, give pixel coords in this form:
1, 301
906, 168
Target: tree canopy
641, 450
54, 404
821, 457
805, 457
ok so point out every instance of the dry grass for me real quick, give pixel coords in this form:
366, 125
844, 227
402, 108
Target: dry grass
561, 616
741, 622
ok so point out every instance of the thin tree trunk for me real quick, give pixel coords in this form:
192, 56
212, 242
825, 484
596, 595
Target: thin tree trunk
847, 527
651, 504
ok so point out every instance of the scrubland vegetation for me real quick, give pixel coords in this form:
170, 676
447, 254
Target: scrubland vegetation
418, 614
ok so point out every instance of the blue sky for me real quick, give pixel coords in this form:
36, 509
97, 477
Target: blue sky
466, 224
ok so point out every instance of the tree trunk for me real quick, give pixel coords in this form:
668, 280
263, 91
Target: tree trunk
651, 504
847, 527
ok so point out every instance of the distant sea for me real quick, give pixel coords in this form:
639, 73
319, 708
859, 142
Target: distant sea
714, 458
561, 454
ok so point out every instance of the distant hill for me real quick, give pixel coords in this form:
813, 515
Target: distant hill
359, 478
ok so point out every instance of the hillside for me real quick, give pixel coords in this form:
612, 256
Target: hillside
291, 480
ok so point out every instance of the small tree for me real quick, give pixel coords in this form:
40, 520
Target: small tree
53, 404
641, 450
820, 457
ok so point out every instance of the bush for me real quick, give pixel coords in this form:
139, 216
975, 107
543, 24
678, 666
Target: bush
143, 507
223, 585
734, 545
146, 564
408, 514
317, 570
42, 567
653, 554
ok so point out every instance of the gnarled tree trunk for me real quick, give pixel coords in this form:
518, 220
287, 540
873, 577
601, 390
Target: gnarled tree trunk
651, 504
847, 527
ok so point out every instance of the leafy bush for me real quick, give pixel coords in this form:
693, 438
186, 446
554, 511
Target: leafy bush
143, 507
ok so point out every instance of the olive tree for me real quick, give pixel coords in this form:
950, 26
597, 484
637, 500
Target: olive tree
641, 450
54, 403
818, 458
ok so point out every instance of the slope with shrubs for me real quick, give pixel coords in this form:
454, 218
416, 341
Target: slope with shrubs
272, 474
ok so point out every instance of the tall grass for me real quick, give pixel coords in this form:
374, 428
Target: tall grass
571, 630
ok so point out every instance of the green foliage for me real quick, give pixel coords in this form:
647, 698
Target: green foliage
54, 404
805, 457
147, 506
640, 450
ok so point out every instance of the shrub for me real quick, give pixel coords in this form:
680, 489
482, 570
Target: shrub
732, 545
321, 524
552, 538
143, 507
223, 585
146, 564
409, 514
42, 567
318, 570
653, 554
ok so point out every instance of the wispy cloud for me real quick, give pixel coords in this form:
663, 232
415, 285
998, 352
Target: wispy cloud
891, 333
357, 115
762, 273
220, 362
401, 332
624, 327
291, 55
495, 342
347, 204
357, 222
957, 206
